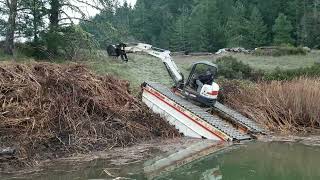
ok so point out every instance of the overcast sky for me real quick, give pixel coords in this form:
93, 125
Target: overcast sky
132, 2
92, 12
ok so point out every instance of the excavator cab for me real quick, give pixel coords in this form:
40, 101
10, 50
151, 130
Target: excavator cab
200, 86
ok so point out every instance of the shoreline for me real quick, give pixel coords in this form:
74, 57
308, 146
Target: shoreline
140, 153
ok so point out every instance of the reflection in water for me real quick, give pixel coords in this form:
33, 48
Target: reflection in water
255, 161
198, 169
181, 158
213, 174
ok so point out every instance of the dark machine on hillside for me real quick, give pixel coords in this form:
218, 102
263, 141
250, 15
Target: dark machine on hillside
118, 50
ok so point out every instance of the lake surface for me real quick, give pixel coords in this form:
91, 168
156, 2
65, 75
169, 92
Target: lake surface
253, 161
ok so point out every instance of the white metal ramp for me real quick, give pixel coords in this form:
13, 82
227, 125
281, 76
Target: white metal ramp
188, 118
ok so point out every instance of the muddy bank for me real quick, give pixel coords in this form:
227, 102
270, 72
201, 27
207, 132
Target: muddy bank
51, 111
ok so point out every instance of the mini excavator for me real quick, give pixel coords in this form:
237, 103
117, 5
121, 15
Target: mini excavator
191, 105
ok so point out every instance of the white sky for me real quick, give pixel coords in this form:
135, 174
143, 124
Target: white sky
92, 12
89, 11
132, 2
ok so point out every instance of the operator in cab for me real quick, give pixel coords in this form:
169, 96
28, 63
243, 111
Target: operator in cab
206, 78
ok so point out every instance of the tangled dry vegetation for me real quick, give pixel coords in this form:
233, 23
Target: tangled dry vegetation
47, 108
285, 106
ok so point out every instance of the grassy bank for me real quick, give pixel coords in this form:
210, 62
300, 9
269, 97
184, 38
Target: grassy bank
139, 69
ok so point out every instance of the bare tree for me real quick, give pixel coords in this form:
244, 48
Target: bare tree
12, 6
54, 10
58, 14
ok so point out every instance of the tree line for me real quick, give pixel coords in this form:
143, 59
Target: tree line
208, 25
50, 27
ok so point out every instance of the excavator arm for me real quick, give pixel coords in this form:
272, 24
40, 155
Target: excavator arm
164, 56
181, 107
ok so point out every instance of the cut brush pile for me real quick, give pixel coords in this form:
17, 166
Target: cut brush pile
49, 110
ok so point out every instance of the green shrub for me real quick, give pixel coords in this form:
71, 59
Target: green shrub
25, 49
231, 68
280, 51
280, 75
70, 43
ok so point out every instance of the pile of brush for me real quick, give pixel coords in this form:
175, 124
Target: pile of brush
53, 110
285, 106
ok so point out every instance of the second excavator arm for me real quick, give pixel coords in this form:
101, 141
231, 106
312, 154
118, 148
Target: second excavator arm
165, 57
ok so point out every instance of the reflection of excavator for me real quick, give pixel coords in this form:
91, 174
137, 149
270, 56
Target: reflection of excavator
167, 166
189, 104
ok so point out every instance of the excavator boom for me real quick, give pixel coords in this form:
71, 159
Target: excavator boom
164, 56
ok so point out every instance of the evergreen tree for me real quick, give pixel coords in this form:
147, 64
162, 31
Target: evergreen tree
179, 40
282, 30
206, 28
309, 25
139, 24
256, 30
198, 23
121, 20
236, 26
215, 28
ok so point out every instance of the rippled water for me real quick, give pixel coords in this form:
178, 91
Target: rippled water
254, 161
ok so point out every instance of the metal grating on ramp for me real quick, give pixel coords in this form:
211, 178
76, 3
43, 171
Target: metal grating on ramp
213, 120
239, 118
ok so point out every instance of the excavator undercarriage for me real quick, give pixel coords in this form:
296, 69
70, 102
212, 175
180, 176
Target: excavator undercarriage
217, 123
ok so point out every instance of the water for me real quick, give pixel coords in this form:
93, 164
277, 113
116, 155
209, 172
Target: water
254, 161
259, 161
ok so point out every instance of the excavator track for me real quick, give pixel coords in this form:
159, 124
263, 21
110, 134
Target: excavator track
239, 119
219, 125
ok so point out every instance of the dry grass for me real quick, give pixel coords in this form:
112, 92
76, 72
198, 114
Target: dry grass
50, 110
292, 106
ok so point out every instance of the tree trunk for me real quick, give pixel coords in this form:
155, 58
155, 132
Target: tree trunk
54, 14
55, 6
36, 19
9, 46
